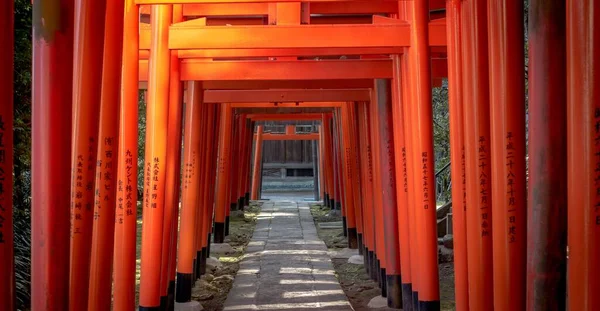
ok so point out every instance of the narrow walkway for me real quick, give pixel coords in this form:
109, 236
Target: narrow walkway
286, 266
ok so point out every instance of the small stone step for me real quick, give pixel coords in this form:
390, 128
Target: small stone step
188, 306
378, 302
331, 225
344, 253
356, 259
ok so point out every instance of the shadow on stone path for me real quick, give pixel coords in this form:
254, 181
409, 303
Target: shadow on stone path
286, 266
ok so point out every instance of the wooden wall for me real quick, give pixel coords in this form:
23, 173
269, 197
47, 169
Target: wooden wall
287, 152
299, 151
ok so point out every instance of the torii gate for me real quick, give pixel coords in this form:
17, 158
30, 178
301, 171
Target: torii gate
87, 71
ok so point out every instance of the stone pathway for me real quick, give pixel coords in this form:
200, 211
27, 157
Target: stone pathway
286, 266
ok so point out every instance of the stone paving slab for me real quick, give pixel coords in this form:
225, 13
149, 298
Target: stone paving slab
286, 266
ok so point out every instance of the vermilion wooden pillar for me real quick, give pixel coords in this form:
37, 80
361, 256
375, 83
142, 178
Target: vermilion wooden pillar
223, 168
423, 157
124, 270
100, 284
339, 193
157, 112
330, 158
323, 164
240, 192
336, 201
354, 152
366, 185
248, 180
348, 175
256, 169
213, 176
173, 169
206, 189
507, 118
411, 168
457, 153
243, 182
404, 10
477, 155
329, 167
380, 251
233, 174
242, 158
388, 192
201, 185
7, 271
52, 77
583, 121
87, 80
191, 183
547, 190
401, 178
341, 169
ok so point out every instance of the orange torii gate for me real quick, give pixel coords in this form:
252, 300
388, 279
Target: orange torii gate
260, 136
510, 240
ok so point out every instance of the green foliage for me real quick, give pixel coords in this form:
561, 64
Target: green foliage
441, 141
22, 151
441, 125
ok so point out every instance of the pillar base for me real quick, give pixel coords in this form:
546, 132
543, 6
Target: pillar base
208, 246
200, 261
394, 291
374, 267
344, 227
361, 247
383, 283
247, 198
377, 272
352, 238
407, 297
194, 275
233, 206
202, 265
150, 308
415, 300
164, 301
183, 288
240, 204
338, 206
219, 232
171, 296
331, 203
367, 261
226, 225
429, 305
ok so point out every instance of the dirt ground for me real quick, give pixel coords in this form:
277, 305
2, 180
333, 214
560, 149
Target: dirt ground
357, 285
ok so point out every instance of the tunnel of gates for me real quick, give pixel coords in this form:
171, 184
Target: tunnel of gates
364, 69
